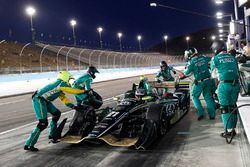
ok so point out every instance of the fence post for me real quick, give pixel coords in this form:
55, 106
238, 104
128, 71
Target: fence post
67, 58
41, 66
57, 67
20, 55
79, 59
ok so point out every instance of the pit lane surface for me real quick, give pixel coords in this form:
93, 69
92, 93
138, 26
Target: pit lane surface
188, 143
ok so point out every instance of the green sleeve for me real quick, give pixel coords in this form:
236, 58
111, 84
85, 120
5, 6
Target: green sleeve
158, 75
189, 69
88, 84
212, 64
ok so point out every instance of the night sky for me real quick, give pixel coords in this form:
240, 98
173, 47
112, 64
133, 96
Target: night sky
131, 17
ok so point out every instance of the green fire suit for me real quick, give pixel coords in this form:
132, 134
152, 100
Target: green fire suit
229, 87
83, 83
198, 66
166, 74
42, 104
145, 85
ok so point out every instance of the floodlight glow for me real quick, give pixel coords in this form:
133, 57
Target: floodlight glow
73, 22
220, 35
153, 4
119, 34
99, 29
139, 37
218, 2
165, 37
30, 10
221, 39
220, 25
220, 30
213, 37
187, 38
219, 15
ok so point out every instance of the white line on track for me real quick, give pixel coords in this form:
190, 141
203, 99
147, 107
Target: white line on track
12, 102
20, 127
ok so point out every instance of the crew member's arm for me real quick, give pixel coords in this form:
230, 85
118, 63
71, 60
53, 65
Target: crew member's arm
157, 77
66, 101
71, 90
213, 68
189, 69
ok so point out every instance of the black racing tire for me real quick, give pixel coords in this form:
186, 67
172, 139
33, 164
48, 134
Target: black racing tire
95, 100
155, 113
129, 94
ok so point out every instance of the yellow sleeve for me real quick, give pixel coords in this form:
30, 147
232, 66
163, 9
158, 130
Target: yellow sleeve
71, 90
66, 101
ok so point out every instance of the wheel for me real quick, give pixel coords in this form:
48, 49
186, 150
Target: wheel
155, 113
129, 94
95, 100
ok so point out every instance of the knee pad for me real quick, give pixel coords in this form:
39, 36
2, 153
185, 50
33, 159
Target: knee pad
56, 116
43, 123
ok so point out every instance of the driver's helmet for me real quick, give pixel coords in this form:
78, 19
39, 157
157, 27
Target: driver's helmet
92, 70
218, 46
163, 65
64, 76
139, 93
189, 53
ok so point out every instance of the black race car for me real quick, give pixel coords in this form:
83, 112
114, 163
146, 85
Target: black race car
137, 120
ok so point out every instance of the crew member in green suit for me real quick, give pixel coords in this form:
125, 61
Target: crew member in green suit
84, 83
42, 104
198, 66
144, 84
228, 89
165, 72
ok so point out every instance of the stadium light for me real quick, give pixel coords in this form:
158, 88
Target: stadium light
187, 39
220, 15
31, 11
213, 37
153, 4
220, 25
100, 30
119, 34
139, 37
219, 2
221, 30
165, 37
73, 24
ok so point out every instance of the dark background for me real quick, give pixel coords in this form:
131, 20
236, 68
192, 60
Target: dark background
132, 17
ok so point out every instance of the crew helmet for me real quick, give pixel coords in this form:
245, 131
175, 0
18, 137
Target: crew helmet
189, 53
163, 65
218, 46
140, 92
64, 76
92, 70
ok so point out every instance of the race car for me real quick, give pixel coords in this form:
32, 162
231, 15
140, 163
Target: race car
137, 120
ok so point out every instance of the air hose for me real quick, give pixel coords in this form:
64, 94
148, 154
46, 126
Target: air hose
229, 138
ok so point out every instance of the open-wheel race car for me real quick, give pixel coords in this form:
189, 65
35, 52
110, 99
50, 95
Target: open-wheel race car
134, 121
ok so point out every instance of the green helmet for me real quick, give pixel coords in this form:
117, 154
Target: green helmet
189, 53
64, 76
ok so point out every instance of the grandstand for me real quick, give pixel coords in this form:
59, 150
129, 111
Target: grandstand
22, 58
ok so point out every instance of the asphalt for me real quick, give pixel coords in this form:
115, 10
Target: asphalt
189, 143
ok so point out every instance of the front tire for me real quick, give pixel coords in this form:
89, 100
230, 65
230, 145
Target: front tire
155, 113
